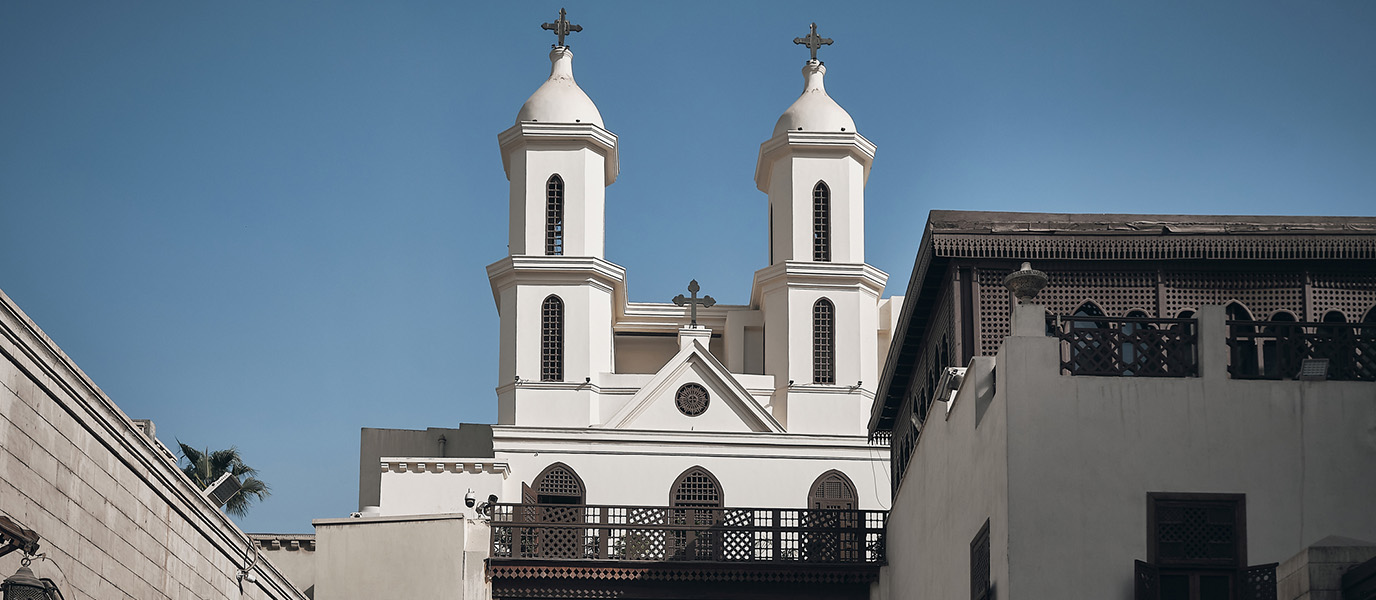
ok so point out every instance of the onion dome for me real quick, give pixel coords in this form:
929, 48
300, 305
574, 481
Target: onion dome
814, 110
559, 99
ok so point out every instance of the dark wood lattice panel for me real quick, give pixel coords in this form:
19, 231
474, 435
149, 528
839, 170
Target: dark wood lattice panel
980, 564
552, 339
1196, 533
1258, 583
823, 342
1354, 296
1263, 294
696, 487
821, 223
1127, 347
554, 216
689, 534
560, 481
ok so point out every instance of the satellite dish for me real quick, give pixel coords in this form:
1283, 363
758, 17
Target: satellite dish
222, 490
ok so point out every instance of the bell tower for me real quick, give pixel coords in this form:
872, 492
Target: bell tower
555, 290
819, 298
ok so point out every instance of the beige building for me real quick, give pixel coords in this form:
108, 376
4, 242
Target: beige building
113, 515
1188, 401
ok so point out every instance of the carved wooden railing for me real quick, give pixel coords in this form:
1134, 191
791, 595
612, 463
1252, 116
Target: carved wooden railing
1126, 346
659, 533
1276, 349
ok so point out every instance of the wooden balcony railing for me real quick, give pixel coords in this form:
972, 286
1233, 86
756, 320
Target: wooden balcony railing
1126, 346
1276, 349
667, 534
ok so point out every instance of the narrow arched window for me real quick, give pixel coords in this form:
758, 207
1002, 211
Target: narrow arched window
832, 491
823, 342
554, 216
821, 223
696, 488
552, 339
1244, 358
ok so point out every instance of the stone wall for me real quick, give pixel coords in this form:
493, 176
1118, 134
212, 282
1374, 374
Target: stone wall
116, 516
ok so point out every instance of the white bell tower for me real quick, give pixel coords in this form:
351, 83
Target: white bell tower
819, 298
555, 290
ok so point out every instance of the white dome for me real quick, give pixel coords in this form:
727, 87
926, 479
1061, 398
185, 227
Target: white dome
814, 110
559, 99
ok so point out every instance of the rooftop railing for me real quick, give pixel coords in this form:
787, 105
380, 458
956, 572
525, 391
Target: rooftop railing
705, 534
1126, 346
1280, 349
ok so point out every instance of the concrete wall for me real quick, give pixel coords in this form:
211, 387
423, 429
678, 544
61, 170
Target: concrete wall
955, 481
293, 554
399, 557
1083, 452
115, 514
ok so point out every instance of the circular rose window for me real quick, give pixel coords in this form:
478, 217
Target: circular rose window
692, 399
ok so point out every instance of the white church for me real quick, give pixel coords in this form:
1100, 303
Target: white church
606, 403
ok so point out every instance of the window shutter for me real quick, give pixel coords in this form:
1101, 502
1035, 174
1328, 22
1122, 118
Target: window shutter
1147, 580
1257, 582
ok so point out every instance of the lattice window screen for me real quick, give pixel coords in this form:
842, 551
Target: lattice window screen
697, 488
1354, 296
1262, 293
554, 216
552, 339
979, 564
823, 342
559, 481
821, 223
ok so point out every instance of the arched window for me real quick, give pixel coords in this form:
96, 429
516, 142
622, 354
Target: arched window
832, 491
1091, 345
1134, 349
1277, 349
821, 223
696, 488
554, 216
823, 342
1244, 353
557, 485
552, 339
831, 503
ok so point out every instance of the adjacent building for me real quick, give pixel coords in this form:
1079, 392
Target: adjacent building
1188, 401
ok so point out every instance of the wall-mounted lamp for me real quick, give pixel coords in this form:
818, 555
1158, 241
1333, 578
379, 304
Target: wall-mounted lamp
23, 585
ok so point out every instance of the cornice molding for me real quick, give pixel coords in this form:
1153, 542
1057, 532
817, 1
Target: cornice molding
557, 270
819, 143
535, 133
1120, 246
807, 274
444, 465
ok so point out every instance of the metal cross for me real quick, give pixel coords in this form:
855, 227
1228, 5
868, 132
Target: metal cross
705, 301
813, 41
562, 27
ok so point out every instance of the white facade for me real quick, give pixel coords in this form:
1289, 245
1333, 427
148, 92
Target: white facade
596, 388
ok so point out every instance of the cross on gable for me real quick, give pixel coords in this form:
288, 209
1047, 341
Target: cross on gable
813, 41
561, 27
705, 301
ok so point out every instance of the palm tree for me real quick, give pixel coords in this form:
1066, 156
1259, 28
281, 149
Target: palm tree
204, 468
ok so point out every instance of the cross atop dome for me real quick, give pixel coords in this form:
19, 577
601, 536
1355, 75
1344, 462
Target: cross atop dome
812, 41
561, 27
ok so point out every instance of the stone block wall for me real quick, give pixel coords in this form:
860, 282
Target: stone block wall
116, 516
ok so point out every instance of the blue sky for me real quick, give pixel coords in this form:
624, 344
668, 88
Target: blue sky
265, 224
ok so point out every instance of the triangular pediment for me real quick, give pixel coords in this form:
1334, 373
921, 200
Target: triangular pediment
730, 407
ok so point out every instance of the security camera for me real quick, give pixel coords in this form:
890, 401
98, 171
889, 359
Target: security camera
485, 508
251, 577
469, 499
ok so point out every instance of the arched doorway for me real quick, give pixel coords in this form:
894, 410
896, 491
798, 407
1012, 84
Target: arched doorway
559, 492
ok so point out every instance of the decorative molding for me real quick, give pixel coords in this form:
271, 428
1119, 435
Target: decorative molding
812, 143
445, 465
1033, 246
499, 569
526, 133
